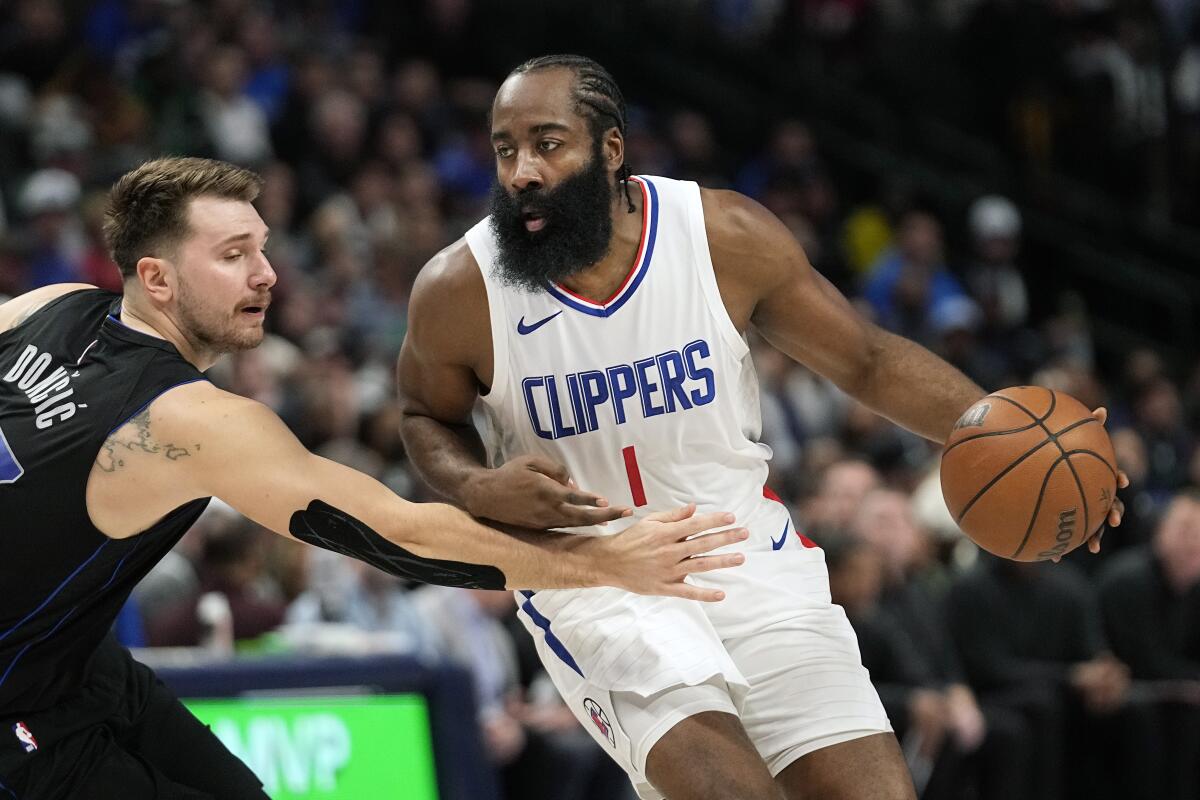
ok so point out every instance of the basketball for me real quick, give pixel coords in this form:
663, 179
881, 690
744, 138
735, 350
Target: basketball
1028, 473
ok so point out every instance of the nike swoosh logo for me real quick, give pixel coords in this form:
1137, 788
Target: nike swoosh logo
783, 538
525, 330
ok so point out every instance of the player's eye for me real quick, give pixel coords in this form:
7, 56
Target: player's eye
503, 151
546, 145
234, 256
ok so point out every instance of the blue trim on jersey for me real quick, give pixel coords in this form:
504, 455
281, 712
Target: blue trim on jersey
41, 638
10, 468
74, 608
600, 309
151, 400
136, 541
54, 594
553, 641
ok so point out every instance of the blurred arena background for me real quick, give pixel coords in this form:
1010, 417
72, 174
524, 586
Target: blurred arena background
1013, 183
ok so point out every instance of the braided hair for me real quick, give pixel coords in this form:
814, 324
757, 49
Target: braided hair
597, 98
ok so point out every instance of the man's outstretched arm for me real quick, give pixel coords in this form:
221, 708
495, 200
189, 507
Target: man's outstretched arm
248, 458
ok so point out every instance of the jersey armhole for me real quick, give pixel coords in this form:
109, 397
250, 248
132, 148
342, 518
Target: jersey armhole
497, 314
708, 276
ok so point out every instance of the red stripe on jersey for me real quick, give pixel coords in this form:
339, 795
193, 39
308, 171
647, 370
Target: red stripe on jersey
635, 476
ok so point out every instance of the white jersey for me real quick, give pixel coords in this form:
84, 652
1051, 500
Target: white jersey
649, 398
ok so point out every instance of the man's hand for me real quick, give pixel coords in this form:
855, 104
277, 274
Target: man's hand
1118, 507
964, 717
656, 554
536, 492
1103, 682
928, 716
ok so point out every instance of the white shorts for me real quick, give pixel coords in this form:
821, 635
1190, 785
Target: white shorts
776, 653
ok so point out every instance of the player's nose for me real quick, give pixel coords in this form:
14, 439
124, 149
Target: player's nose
265, 275
527, 174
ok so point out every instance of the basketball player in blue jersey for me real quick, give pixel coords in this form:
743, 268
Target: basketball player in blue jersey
596, 321
111, 444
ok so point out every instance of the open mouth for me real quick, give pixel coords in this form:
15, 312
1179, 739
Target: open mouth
533, 221
255, 311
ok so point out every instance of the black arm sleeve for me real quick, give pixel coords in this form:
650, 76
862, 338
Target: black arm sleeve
330, 528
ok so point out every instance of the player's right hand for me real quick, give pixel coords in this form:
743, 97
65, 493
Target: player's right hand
654, 555
536, 492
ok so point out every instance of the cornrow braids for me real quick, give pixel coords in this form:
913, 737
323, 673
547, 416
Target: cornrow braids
597, 97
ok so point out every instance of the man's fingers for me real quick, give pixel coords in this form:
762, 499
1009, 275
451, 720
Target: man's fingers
689, 592
573, 516
709, 563
711, 541
1094, 542
1122, 480
674, 515
574, 497
1101, 414
1116, 513
699, 523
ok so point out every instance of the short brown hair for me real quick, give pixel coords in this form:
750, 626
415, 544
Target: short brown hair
147, 208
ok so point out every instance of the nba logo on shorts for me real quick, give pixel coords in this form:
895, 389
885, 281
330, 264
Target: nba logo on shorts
600, 718
25, 737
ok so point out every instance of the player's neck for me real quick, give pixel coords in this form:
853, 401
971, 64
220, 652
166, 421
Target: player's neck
602, 279
161, 326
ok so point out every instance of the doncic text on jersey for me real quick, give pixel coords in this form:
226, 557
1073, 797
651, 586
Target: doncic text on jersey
50, 395
666, 383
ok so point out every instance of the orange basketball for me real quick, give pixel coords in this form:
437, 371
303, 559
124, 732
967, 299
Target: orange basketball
1028, 473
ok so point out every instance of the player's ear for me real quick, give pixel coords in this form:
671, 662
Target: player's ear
152, 274
613, 149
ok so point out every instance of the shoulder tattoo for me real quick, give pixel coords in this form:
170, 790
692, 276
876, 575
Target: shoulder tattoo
135, 437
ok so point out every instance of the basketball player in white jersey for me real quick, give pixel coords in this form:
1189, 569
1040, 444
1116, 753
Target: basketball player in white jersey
597, 320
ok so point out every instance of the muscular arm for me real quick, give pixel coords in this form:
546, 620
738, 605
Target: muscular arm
198, 441
766, 281
449, 335
445, 360
19, 309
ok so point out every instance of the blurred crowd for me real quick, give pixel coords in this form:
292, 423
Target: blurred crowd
1003, 680
1107, 91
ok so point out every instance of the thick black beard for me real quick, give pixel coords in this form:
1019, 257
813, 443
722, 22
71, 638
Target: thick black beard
577, 233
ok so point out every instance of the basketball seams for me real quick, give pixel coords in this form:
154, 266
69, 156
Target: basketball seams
996, 479
1033, 416
1098, 457
1082, 497
1061, 492
1037, 507
975, 436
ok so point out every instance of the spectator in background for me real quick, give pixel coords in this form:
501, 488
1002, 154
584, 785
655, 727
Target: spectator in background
54, 252
908, 283
530, 764
840, 490
955, 327
917, 710
354, 594
990, 747
1158, 414
232, 602
995, 281
1151, 602
1031, 639
237, 126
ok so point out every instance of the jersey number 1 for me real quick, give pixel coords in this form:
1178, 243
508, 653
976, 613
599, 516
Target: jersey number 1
10, 468
635, 476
